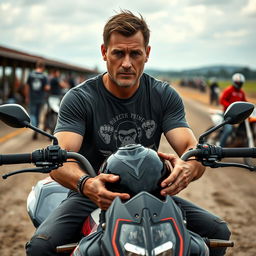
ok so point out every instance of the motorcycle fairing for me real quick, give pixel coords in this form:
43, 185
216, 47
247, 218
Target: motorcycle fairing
91, 223
44, 197
143, 211
89, 245
145, 225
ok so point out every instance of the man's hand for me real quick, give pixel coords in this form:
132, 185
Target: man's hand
182, 174
95, 189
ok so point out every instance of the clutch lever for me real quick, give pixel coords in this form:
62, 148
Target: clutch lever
216, 164
39, 170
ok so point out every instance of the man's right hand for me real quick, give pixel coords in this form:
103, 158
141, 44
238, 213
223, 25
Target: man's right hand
95, 189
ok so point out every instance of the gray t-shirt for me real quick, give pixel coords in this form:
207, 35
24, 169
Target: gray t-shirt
107, 122
37, 82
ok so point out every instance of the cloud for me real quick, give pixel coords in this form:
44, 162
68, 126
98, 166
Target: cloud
250, 8
213, 31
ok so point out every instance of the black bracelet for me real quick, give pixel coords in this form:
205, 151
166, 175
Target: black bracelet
81, 182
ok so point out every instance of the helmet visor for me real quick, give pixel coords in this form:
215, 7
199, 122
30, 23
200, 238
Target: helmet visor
238, 84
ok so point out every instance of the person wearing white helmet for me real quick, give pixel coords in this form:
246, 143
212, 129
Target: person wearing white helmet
231, 94
238, 80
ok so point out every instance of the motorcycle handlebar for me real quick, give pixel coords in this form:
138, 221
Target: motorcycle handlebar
52, 155
83, 161
238, 152
207, 151
16, 158
190, 153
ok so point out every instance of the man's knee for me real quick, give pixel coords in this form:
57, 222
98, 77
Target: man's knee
39, 245
221, 230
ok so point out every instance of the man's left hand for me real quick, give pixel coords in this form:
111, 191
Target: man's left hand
181, 175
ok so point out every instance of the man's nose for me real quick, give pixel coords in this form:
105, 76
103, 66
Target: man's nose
126, 62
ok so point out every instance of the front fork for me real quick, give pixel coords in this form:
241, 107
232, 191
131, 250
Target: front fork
249, 134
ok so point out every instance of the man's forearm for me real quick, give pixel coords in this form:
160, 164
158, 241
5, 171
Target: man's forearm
68, 175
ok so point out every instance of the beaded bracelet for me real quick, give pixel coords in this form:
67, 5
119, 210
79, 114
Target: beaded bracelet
81, 182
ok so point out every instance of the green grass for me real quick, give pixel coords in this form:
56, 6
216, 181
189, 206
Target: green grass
249, 86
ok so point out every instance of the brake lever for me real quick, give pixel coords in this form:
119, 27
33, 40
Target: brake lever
216, 164
39, 170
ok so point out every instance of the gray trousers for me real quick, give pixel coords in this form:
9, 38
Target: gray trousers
64, 225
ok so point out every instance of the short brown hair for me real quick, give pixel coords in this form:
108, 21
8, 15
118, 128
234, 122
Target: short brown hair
40, 64
126, 24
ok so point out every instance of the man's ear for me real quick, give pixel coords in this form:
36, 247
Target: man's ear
147, 53
103, 52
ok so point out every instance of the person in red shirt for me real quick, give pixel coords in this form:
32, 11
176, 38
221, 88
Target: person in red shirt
231, 94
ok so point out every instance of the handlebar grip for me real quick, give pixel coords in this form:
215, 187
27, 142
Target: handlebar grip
15, 158
238, 152
206, 152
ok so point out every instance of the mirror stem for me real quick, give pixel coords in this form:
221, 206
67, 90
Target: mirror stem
53, 138
205, 134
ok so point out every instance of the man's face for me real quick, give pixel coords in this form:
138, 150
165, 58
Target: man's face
125, 58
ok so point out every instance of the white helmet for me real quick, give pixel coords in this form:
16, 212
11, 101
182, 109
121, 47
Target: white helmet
213, 80
238, 80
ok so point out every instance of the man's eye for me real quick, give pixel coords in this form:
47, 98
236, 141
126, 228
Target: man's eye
135, 54
118, 53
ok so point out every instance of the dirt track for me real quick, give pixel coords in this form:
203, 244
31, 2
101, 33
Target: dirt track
229, 193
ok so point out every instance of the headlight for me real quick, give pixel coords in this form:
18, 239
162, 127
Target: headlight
133, 239
165, 249
163, 233
164, 239
133, 250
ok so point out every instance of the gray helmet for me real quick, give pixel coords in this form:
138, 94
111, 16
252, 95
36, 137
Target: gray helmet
139, 168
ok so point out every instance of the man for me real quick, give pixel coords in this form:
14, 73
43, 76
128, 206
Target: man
120, 107
55, 94
56, 84
231, 94
214, 91
36, 86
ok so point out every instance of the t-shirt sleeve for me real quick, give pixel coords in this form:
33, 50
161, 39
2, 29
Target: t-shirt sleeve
45, 80
72, 114
173, 110
28, 79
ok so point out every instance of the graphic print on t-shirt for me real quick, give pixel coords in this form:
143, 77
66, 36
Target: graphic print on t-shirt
127, 128
36, 84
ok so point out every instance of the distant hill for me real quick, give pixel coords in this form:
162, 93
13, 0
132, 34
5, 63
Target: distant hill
218, 71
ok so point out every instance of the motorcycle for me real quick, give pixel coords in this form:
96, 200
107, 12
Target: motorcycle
243, 134
52, 110
143, 225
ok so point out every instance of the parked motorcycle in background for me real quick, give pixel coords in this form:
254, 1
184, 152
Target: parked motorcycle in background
143, 225
51, 114
243, 134
52, 110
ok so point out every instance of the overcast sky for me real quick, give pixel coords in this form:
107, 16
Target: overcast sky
184, 33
